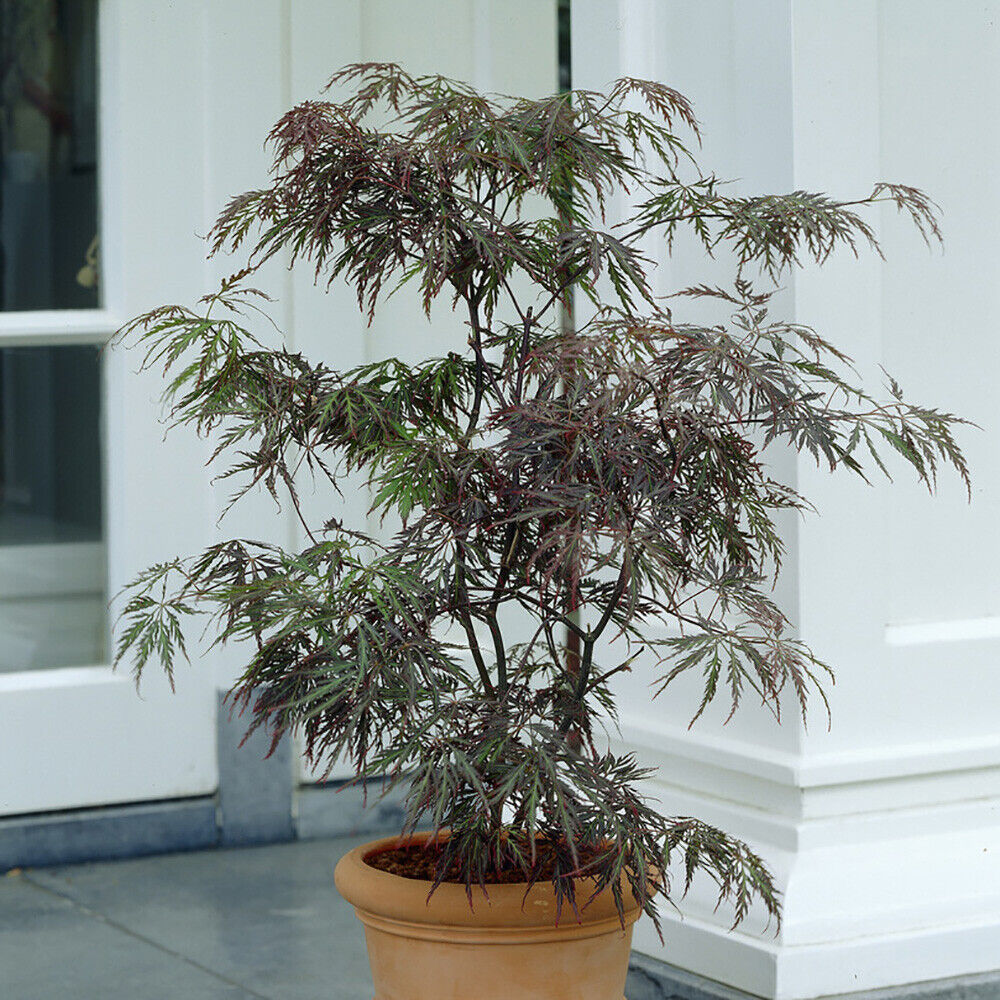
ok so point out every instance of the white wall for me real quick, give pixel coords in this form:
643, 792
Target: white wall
256, 68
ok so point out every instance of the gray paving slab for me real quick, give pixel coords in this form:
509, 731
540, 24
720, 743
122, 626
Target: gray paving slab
650, 979
267, 920
52, 949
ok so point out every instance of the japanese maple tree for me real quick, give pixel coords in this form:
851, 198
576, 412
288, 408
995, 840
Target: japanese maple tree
603, 478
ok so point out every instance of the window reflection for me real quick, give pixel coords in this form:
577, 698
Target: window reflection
48, 154
52, 554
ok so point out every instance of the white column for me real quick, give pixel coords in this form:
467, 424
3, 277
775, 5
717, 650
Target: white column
883, 831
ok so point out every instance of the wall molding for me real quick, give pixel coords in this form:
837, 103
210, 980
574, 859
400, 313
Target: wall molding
811, 770
953, 630
790, 818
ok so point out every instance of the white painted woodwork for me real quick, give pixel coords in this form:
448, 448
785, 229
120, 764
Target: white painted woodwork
883, 831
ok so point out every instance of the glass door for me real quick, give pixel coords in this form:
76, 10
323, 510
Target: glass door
80, 487
52, 552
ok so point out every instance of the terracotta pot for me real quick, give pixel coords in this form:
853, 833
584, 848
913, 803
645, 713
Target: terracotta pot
504, 947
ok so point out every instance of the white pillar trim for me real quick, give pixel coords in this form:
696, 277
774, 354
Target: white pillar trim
883, 833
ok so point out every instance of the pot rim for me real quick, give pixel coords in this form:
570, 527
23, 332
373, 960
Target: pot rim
511, 905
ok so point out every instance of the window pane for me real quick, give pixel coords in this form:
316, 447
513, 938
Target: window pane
48, 154
52, 554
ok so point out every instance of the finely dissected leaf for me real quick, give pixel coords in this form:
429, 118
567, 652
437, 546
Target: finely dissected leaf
608, 483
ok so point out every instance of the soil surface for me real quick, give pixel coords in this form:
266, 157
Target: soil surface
420, 862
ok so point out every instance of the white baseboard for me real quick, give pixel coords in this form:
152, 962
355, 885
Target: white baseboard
885, 881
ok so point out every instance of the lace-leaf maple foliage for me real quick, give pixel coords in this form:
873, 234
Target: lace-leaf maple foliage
607, 481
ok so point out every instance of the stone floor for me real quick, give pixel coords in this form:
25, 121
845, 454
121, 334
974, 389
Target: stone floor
241, 923
261, 922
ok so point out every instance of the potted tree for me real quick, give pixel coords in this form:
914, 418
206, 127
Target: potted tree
596, 478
